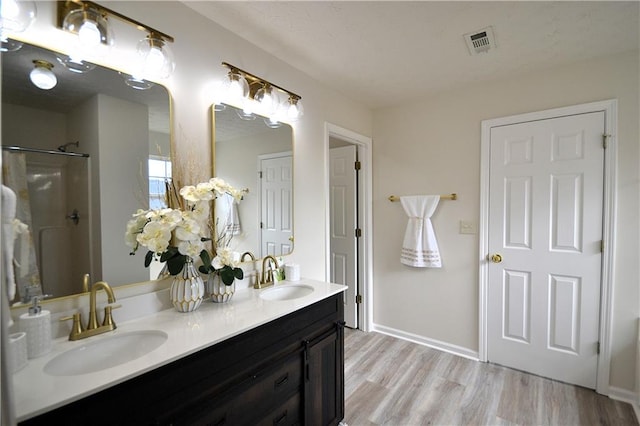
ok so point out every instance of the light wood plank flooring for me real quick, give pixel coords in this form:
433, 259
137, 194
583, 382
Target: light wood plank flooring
390, 381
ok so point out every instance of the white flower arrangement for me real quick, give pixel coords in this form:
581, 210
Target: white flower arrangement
177, 236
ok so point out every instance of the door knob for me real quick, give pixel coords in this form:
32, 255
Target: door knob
496, 258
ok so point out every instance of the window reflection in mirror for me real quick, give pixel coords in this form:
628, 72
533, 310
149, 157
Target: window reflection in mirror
73, 208
249, 154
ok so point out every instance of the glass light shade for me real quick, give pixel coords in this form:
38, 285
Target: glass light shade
74, 64
16, 16
10, 45
246, 113
294, 109
237, 87
136, 82
272, 122
42, 76
92, 28
268, 99
157, 58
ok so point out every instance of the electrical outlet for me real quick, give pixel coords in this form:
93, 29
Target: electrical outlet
467, 227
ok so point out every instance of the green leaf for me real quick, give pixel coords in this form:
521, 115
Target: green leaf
148, 258
176, 263
171, 252
226, 274
239, 273
203, 270
206, 262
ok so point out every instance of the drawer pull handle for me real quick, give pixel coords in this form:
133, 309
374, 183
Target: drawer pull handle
280, 419
281, 381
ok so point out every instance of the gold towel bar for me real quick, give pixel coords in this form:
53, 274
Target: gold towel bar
452, 196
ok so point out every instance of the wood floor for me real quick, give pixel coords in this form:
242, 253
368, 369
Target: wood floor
390, 381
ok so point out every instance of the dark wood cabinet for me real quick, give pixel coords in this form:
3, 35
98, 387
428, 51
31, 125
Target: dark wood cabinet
289, 371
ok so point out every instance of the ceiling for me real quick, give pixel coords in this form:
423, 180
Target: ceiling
73, 88
382, 53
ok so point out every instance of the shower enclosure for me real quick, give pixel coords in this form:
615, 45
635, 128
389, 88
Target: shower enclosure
53, 199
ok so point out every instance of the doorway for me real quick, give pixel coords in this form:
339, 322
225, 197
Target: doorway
546, 221
348, 221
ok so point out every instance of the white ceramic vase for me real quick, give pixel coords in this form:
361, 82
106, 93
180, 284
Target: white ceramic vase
187, 289
219, 291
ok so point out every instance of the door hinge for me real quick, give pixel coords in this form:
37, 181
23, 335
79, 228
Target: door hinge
604, 140
260, 174
359, 298
601, 246
598, 348
358, 165
358, 232
261, 225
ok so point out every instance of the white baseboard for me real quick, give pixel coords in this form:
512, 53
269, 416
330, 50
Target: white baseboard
432, 343
625, 395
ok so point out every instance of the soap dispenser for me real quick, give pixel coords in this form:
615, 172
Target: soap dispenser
37, 324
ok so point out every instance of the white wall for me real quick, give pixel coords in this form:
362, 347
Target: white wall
124, 184
433, 146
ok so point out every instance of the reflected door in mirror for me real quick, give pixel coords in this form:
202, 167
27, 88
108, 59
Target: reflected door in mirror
276, 189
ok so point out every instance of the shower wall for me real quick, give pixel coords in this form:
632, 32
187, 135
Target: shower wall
57, 185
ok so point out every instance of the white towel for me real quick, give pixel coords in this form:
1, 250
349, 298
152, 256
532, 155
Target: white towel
229, 214
420, 248
8, 215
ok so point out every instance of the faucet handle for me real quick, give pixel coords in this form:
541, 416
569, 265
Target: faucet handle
108, 318
76, 328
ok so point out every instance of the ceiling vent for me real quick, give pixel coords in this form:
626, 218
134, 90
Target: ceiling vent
480, 41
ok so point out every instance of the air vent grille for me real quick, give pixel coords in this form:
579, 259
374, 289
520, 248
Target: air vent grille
480, 41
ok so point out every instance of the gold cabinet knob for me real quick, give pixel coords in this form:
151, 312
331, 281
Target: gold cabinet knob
496, 258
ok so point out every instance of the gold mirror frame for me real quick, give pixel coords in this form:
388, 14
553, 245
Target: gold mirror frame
242, 130
167, 116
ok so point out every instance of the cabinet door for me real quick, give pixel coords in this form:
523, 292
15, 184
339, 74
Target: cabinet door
324, 384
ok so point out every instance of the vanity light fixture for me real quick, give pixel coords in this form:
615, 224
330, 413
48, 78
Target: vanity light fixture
251, 92
42, 76
90, 21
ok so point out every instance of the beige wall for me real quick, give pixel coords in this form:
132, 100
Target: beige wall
433, 147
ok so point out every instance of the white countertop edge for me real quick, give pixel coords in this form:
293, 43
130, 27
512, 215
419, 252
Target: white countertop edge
36, 392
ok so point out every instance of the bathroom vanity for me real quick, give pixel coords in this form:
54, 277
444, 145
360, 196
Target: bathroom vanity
267, 362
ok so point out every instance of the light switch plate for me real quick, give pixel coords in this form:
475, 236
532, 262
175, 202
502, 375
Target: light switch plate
468, 227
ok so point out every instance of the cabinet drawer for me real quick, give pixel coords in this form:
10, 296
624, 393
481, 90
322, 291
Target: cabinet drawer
288, 414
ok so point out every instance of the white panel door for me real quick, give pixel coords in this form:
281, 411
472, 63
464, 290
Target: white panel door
545, 233
276, 198
344, 256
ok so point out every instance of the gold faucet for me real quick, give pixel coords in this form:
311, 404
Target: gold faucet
92, 329
247, 253
266, 279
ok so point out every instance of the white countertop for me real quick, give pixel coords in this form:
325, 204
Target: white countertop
36, 392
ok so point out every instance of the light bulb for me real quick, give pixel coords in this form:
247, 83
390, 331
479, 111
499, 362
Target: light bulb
156, 57
89, 34
294, 111
9, 9
42, 76
268, 99
16, 16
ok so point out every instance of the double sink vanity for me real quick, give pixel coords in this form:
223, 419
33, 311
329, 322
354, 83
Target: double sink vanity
270, 356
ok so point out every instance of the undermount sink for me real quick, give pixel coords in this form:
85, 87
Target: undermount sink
105, 353
286, 292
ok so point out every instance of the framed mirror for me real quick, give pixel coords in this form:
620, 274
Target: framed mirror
250, 154
79, 159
